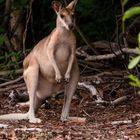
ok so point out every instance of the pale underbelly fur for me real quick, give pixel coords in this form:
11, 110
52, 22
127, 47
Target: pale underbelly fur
47, 84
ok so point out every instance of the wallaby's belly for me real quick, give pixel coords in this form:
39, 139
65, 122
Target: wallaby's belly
46, 88
61, 55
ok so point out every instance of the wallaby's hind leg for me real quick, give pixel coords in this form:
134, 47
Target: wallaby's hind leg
31, 79
69, 91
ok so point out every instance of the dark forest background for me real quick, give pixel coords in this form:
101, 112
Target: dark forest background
23, 23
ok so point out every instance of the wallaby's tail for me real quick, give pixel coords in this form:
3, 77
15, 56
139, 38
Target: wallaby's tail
14, 116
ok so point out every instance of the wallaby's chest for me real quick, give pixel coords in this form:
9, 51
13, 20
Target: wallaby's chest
62, 51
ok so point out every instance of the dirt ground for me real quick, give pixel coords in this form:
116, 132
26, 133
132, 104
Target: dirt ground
102, 123
107, 122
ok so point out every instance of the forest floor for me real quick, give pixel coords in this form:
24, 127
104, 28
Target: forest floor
103, 122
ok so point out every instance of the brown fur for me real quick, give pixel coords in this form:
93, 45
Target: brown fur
50, 62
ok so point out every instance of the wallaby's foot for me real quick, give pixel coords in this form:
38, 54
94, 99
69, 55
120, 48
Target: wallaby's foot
64, 118
35, 120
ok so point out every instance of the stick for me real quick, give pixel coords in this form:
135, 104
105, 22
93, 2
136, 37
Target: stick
12, 87
11, 82
109, 56
119, 100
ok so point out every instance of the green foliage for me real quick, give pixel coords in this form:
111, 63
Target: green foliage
134, 62
137, 50
136, 59
6, 58
139, 40
131, 12
134, 81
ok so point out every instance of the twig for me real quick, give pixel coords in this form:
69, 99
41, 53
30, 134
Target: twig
11, 82
119, 100
28, 129
112, 55
12, 87
86, 113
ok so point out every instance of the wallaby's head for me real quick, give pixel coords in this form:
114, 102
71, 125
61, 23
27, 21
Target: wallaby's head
65, 15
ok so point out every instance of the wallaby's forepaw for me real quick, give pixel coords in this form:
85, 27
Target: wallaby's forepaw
67, 77
35, 120
58, 78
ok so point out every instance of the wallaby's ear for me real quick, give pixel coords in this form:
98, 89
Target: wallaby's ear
72, 5
56, 5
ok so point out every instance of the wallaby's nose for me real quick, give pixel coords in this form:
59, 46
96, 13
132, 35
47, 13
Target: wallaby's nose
71, 26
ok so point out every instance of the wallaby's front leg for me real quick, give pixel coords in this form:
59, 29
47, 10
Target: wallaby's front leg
58, 76
69, 91
70, 63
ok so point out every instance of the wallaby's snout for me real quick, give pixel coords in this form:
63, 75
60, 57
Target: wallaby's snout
71, 26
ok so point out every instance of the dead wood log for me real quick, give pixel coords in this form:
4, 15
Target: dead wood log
107, 50
109, 56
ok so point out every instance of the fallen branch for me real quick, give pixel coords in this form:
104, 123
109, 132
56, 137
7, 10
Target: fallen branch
12, 87
92, 90
109, 56
11, 82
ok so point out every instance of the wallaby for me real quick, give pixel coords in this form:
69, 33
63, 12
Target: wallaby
52, 61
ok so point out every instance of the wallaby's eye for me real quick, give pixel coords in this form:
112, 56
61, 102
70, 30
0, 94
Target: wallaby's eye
62, 16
